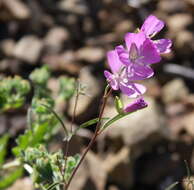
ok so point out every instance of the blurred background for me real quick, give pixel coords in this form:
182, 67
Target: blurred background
145, 151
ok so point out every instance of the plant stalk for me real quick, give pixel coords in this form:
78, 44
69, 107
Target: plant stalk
71, 126
92, 141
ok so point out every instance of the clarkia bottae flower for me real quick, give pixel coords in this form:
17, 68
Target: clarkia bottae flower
140, 52
132, 62
151, 26
119, 79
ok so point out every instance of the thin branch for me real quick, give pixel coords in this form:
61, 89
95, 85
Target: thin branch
58, 118
71, 126
105, 97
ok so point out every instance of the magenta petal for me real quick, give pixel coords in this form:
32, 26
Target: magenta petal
127, 89
113, 61
149, 53
136, 38
139, 90
152, 25
163, 45
112, 80
142, 72
140, 103
132, 89
123, 55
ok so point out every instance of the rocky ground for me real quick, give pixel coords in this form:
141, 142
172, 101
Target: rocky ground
146, 150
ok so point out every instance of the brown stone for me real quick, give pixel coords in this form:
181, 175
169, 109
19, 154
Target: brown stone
65, 62
17, 8
55, 39
90, 54
174, 90
28, 49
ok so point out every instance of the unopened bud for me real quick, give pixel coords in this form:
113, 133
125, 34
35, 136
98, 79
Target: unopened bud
118, 105
136, 105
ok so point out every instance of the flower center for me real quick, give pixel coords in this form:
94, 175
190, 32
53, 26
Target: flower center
133, 53
125, 80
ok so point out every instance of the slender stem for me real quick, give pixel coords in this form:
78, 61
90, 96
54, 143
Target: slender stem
71, 125
74, 109
58, 118
105, 97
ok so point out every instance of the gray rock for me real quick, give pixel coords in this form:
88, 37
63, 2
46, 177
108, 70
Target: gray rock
62, 62
7, 47
74, 6
184, 42
172, 6
60, 104
3, 124
96, 164
179, 22
87, 105
90, 54
80, 178
191, 2
188, 122
174, 90
55, 39
124, 26
25, 183
28, 49
117, 162
17, 8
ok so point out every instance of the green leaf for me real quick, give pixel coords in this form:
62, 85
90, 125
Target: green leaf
3, 144
23, 142
40, 76
89, 123
52, 186
44, 168
172, 186
67, 87
9, 179
29, 139
72, 162
12, 92
114, 119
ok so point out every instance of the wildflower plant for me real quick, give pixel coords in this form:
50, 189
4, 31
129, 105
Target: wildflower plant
129, 64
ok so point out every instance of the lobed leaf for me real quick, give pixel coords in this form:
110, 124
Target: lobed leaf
10, 178
3, 145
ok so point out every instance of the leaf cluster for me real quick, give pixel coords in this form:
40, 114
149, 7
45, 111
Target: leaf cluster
49, 169
7, 178
13, 92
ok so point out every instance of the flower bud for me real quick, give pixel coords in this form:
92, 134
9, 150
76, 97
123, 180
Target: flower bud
118, 105
136, 105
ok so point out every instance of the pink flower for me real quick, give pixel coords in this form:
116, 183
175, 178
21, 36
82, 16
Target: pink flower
118, 79
140, 52
151, 26
131, 63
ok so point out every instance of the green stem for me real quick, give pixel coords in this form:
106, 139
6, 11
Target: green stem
58, 118
107, 93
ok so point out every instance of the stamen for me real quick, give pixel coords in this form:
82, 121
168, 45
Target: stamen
133, 52
125, 80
